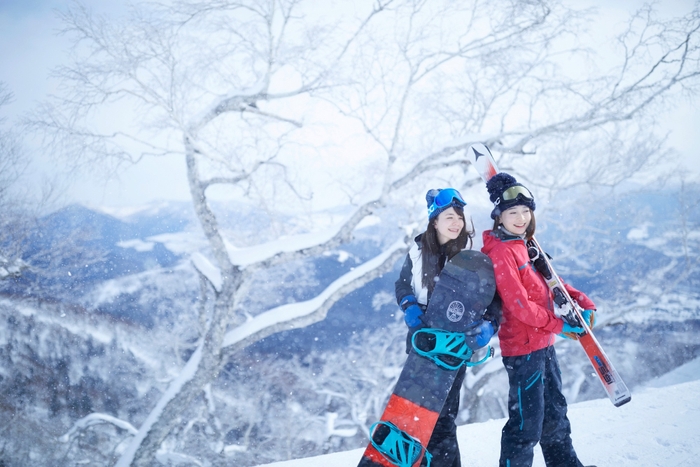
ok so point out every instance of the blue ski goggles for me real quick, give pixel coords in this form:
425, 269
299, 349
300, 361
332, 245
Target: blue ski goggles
446, 197
514, 192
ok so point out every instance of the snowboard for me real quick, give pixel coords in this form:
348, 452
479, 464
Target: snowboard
464, 289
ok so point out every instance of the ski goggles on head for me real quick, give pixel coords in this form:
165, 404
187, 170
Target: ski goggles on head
445, 198
513, 192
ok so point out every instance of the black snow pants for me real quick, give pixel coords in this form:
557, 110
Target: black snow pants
537, 412
443, 443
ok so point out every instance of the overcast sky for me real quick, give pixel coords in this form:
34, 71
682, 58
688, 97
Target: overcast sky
31, 48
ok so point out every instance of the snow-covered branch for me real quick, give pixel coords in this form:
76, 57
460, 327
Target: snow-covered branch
301, 314
207, 270
174, 388
287, 249
96, 419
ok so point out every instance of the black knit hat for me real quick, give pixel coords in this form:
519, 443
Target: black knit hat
505, 192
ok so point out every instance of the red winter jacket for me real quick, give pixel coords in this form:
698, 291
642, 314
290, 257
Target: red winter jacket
529, 322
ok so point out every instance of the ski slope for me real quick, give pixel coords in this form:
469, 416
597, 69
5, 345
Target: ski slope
659, 427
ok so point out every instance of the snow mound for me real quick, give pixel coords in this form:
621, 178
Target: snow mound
658, 427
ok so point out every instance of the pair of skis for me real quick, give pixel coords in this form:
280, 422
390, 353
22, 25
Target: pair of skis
618, 393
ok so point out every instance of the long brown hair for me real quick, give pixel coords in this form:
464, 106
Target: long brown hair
529, 232
431, 250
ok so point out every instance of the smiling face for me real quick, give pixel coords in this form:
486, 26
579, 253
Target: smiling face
516, 219
448, 225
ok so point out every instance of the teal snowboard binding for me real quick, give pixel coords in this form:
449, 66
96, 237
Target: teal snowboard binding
398, 447
448, 350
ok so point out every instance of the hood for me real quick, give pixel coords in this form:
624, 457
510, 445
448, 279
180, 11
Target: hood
418, 241
490, 241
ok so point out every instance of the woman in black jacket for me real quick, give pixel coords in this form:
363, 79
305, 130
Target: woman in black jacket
445, 236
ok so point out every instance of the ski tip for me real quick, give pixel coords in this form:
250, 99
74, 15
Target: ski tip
477, 151
623, 401
482, 159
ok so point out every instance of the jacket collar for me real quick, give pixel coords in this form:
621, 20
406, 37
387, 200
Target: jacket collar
505, 236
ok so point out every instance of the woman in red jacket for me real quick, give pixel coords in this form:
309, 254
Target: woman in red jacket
536, 405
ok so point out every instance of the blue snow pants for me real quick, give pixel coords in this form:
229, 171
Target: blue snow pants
537, 412
443, 442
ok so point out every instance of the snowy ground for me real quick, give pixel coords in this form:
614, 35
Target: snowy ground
659, 427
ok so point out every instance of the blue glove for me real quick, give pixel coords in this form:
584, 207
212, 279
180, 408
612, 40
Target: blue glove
589, 317
479, 335
571, 332
484, 335
412, 312
412, 316
572, 329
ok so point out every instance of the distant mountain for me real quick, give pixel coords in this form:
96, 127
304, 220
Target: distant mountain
603, 250
132, 252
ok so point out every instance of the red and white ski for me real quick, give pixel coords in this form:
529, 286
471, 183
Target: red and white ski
618, 393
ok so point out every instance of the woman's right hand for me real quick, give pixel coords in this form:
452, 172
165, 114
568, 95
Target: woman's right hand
412, 316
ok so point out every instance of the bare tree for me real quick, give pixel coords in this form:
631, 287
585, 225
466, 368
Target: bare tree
27, 262
13, 225
221, 99
234, 88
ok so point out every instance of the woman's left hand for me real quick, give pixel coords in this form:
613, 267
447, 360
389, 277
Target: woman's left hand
479, 336
589, 317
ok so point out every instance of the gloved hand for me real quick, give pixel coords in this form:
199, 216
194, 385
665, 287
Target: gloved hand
484, 335
589, 317
479, 335
412, 316
412, 312
571, 332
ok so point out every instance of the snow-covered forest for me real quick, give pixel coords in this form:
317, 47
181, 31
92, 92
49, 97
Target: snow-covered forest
256, 321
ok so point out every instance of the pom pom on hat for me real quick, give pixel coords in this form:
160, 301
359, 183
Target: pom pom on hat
497, 185
430, 196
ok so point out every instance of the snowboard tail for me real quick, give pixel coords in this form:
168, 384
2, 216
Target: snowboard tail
403, 414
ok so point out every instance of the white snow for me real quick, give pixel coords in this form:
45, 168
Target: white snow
639, 233
342, 255
206, 268
683, 374
659, 427
246, 256
136, 244
180, 242
369, 221
189, 242
243, 257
